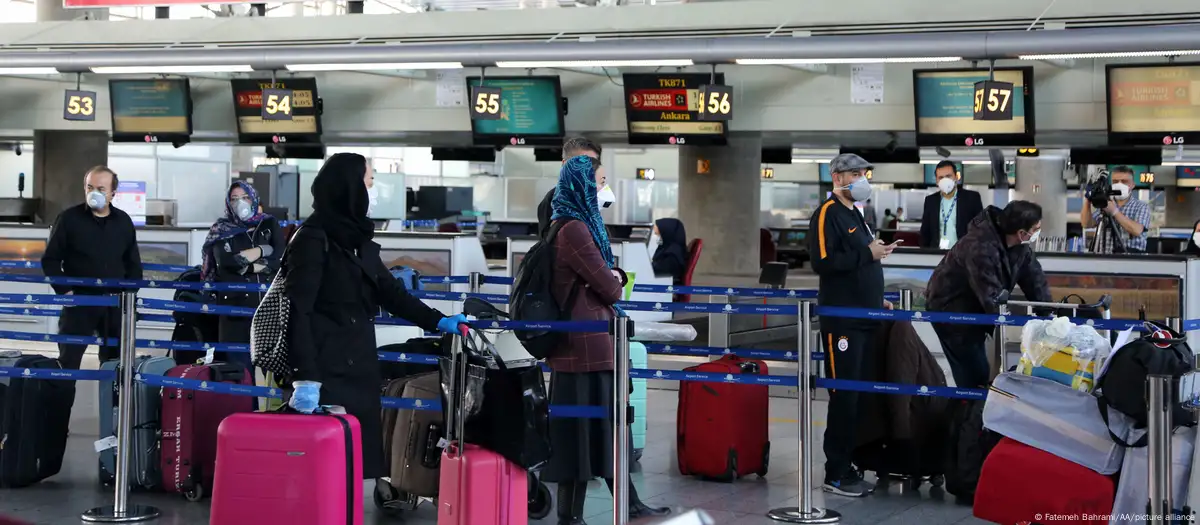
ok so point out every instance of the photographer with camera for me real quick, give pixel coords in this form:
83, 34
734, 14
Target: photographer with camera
1121, 221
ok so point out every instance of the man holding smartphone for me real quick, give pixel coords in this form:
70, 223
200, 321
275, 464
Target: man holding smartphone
846, 256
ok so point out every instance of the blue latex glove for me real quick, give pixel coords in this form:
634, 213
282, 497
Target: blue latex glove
449, 325
307, 396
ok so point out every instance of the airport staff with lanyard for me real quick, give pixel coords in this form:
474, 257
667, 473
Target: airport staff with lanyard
846, 255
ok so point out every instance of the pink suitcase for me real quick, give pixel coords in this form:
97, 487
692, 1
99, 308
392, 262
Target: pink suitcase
480, 487
288, 469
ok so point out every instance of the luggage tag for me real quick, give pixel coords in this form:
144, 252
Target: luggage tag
104, 444
209, 354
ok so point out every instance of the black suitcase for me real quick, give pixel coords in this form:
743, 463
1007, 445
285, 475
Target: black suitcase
34, 419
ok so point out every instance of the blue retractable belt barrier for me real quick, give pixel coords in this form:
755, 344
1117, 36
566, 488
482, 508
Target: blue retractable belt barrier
963, 318
899, 389
705, 351
152, 267
458, 296
199, 308
61, 300
54, 373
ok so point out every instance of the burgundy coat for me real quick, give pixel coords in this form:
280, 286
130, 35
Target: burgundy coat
578, 262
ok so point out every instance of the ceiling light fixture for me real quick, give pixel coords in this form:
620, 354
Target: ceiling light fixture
1131, 54
28, 71
596, 63
374, 66
815, 61
170, 70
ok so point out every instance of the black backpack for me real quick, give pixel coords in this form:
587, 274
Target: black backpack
531, 298
1123, 385
192, 326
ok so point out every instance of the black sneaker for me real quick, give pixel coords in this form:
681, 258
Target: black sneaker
850, 486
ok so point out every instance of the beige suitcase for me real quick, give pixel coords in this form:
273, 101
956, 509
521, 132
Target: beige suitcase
411, 437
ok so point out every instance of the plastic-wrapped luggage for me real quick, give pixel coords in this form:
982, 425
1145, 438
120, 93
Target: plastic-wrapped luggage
288, 469
1052, 417
190, 419
1021, 484
1062, 352
637, 399
1133, 488
34, 415
144, 466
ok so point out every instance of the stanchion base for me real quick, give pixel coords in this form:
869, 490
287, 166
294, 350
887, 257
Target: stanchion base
109, 514
794, 515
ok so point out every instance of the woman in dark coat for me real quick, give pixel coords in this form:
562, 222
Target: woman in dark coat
582, 369
336, 282
669, 243
244, 246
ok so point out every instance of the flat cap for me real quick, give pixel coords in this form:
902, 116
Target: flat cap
848, 162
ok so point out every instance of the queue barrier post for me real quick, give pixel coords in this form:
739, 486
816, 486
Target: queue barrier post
1159, 403
121, 511
906, 299
622, 329
807, 511
475, 282
718, 324
1175, 324
998, 347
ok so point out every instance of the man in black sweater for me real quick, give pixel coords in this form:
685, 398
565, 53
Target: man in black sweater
92, 239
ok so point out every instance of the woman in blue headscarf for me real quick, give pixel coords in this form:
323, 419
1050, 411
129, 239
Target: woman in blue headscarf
587, 285
244, 246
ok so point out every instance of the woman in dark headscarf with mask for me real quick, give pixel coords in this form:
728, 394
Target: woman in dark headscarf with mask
1193, 244
669, 242
588, 286
337, 282
244, 246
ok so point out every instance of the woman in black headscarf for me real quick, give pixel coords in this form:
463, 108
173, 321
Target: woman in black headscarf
1193, 247
669, 242
336, 282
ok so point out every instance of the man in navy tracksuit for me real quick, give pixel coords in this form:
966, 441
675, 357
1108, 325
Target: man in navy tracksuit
846, 255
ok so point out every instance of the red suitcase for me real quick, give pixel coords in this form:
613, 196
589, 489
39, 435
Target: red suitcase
189, 426
722, 427
1022, 484
288, 469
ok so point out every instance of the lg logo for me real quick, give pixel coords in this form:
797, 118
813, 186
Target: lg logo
1170, 140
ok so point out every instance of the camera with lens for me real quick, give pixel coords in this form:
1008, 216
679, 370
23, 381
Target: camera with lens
1098, 192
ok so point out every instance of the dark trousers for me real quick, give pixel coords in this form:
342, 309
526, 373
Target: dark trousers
98, 321
846, 357
235, 330
966, 350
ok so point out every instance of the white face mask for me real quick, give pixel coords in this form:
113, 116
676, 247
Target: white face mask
946, 185
605, 197
1033, 238
96, 200
1196, 238
1122, 191
372, 200
243, 210
655, 240
860, 190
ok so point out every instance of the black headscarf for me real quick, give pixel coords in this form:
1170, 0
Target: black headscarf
340, 201
671, 257
1192, 248
544, 213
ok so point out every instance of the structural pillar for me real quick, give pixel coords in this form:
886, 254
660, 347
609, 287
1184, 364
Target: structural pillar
53, 11
61, 159
721, 207
1040, 180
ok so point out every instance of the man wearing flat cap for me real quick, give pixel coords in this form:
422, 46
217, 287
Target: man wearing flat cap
846, 256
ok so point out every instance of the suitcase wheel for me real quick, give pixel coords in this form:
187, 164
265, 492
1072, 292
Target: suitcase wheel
937, 480
540, 502
193, 491
391, 501
766, 460
731, 470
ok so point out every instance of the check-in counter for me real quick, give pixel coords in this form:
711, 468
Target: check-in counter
1165, 285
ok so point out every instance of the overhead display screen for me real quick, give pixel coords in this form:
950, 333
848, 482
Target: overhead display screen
1187, 176
304, 125
151, 110
945, 108
664, 109
1154, 105
531, 112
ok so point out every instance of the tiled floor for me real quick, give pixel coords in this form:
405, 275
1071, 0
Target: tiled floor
62, 498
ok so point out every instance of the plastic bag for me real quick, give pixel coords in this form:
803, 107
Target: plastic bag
1042, 339
470, 400
650, 331
515, 419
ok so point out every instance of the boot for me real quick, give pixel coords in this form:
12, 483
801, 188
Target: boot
637, 509
571, 497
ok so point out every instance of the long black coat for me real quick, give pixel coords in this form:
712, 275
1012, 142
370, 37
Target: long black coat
234, 329
332, 327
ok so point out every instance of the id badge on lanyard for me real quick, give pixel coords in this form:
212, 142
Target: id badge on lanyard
944, 244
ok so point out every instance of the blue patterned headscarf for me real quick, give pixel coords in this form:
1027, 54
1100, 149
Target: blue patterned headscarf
229, 226
575, 198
